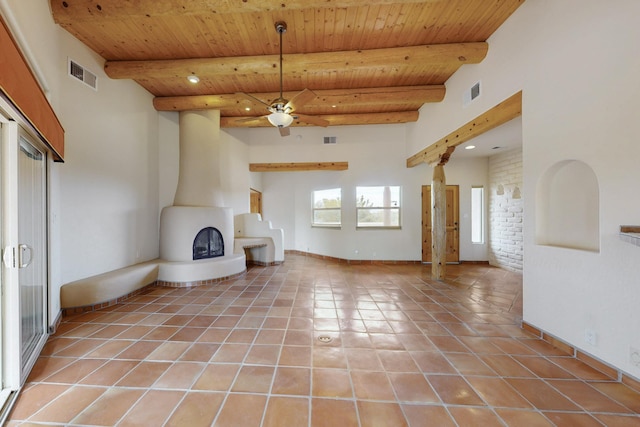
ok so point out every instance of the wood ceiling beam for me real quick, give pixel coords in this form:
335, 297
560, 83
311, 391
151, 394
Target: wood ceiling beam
76, 11
440, 150
334, 120
338, 97
298, 167
379, 60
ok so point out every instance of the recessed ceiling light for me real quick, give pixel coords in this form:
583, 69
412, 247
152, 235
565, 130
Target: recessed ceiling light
469, 147
247, 108
333, 106
193, 78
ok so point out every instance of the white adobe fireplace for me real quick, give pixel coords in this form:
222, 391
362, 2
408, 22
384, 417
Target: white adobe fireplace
196, 233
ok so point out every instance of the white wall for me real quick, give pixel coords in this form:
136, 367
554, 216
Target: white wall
104, 198
576, 62
376, 157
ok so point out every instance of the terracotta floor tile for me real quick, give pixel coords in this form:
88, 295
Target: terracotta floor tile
619, 420
109, 407
371, 385
417, 416
47, 366
110, 373
506, 366
497, 392
231, 353
76, 371
335, 383
254, 379
153, 409
588, 397
68, 405
144, 374
242, 410
34, 398
543, 368
475, 416
270, 336
412, 388
397, 361
200, 352
570, 419
329, 357
139, 350
263, 355
196, 409
620, 393
295, 356
217, 377
379, 413
467, 363
365, 359
180, 375
168, 351
286, 411
541, 395
517, 418
292, 381
332, 413
448, 344
214, 335
454, 390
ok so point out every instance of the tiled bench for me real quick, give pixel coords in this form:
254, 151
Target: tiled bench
106, 289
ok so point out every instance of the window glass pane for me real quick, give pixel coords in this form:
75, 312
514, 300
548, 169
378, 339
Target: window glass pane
477, 215
326, 207
378, 206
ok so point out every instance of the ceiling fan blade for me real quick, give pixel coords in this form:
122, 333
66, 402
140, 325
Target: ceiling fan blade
301, 99
251, 119
318, 121
253, 99
284, 131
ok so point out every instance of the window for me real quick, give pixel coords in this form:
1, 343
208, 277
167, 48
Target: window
327, 206
378, 207
477, 215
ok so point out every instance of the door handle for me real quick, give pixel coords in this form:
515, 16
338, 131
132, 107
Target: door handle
22, 251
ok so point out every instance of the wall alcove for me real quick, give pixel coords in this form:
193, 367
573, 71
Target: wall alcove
567, 207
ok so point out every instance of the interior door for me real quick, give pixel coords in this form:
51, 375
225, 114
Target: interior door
453, 219
255, 202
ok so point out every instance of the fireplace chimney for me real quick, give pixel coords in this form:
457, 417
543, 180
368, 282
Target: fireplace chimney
199, 176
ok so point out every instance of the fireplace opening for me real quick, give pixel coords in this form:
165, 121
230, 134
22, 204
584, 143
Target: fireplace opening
208, 244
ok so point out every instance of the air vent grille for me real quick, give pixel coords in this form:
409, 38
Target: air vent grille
471, 94
85, 76
330, 140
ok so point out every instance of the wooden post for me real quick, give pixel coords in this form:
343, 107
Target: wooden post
438, 223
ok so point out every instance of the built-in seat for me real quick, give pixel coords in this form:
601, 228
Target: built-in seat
105, 289
261, 243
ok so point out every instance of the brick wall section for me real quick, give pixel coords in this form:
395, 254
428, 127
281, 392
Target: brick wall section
505, 211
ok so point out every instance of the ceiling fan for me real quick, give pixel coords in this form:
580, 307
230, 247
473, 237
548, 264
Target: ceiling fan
281, 110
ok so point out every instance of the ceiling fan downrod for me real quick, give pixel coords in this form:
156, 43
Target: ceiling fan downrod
281, 28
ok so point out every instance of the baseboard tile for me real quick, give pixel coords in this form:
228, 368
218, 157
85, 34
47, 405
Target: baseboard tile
608, 370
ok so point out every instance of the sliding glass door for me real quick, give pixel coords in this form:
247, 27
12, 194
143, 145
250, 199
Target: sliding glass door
32, 249
23, 198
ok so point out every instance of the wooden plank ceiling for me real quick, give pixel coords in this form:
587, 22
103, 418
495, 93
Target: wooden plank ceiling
374, 61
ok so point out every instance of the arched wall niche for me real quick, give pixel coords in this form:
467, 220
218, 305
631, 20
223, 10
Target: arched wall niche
567, 207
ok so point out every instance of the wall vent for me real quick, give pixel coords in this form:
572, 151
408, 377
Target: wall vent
330, 140
471, 94
85, 76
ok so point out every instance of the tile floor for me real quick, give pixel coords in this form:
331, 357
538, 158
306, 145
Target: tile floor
316, 343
